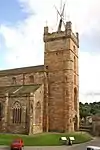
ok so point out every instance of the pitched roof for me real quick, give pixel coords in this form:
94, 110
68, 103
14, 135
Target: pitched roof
19, 90
22, 70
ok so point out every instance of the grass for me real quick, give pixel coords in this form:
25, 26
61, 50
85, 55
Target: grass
44, 139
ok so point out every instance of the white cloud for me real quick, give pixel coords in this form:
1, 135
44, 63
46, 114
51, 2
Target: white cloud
89, 73
83, 13
22, 43
25, 41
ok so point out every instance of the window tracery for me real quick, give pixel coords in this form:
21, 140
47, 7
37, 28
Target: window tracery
17, 111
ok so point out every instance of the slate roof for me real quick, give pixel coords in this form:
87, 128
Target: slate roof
22, 70
19, 90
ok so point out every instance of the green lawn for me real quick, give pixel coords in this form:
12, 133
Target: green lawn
44, 139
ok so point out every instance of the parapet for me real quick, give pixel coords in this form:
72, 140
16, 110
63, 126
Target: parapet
67, 33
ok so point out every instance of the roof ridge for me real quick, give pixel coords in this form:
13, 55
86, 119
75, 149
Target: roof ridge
23, 70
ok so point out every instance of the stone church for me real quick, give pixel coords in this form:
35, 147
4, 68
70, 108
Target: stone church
43, 98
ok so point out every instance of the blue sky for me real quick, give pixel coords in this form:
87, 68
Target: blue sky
11, 12
21, 35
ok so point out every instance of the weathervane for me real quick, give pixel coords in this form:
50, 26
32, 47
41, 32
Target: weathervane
61, 14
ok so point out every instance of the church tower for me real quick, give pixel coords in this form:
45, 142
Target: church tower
61, 80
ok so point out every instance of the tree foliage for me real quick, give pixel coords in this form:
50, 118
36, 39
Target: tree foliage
89, 109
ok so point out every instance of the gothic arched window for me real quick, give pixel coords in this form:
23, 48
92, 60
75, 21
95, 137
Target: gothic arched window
13, 80
31, 78
38, 113
17, 111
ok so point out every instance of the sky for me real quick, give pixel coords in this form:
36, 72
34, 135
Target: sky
21, 37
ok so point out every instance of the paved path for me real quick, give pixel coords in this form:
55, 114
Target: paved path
95, 142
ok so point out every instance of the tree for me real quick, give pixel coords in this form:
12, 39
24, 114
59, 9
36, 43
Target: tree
89, 109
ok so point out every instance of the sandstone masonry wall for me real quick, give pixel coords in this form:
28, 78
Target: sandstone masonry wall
61, 67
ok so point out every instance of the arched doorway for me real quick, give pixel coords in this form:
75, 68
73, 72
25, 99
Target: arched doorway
75, 109
75, 99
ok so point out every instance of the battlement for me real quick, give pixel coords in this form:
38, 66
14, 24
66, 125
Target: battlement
67, 33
